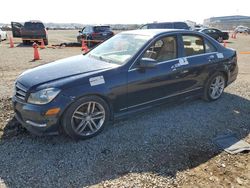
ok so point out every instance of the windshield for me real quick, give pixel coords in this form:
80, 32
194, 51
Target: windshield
119, 49
33, 25
101, 28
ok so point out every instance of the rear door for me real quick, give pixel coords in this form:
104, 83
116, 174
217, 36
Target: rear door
16, 29
201, 57
212, 33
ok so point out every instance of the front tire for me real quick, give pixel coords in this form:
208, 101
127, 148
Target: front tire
86, 117
214, 87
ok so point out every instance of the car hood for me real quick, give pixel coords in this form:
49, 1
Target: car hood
64, 68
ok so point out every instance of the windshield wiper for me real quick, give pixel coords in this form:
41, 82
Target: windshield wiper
101, 58
106, 60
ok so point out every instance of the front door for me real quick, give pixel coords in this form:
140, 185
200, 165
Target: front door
166, 79
16, 29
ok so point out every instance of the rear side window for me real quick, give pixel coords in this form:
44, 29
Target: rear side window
144, 27
193, 45
163, 49
34, 26
180, 25
87, 29
101, 28
160, 26
209, 47
166, 26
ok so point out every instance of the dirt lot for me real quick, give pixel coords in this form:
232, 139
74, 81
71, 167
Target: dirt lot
168, 146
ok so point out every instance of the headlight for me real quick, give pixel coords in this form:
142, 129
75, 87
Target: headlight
43, 96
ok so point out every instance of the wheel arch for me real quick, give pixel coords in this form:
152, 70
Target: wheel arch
225, 75
103, 97
224, 72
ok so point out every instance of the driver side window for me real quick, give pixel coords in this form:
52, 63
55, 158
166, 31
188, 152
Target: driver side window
162, 50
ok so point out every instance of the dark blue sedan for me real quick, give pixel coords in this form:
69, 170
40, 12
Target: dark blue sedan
131, 71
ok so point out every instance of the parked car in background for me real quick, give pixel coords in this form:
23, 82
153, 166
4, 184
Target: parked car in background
96, 33
216, 34
166, 25
242, 29
3, 35
31, 31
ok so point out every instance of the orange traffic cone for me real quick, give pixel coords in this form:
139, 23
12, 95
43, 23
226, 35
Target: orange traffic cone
224, 43
42, 46
235, 35
36, 53
84, 46
11, 42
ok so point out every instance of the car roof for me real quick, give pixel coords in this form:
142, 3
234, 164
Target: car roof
97, 26
165, 23
210, 28
34, 21
155, 32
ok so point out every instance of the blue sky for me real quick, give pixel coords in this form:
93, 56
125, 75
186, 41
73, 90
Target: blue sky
118, 11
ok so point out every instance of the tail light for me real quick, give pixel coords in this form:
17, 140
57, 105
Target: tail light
234, 60
95, 34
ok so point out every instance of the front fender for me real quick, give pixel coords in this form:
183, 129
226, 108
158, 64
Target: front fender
101, 91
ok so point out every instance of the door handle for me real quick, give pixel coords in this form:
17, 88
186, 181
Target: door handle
211, 58
184, 71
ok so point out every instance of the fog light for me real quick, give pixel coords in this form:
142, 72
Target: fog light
52, 111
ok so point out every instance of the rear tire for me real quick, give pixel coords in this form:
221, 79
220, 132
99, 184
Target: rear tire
26, 42
86, 117
46, 42
214, 87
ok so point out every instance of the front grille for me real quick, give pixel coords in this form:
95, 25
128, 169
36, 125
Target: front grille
21, 91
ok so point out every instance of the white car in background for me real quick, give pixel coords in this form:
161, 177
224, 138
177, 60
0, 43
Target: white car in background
242, 29
3, 35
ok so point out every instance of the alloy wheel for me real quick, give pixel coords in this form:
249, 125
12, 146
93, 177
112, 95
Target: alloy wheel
88, 118
217, 86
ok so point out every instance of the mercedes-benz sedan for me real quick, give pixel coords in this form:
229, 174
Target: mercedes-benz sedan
132, 70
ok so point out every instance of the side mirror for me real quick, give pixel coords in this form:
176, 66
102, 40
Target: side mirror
47, 28
147, 63
80, 31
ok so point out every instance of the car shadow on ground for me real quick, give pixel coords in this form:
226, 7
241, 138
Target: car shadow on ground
163, 141
25, 45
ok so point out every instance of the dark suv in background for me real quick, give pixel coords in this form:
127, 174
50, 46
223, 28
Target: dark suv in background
95, 33
31, 31
166, 25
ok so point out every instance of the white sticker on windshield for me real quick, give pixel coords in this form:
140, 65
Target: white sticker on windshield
220, 55
96, 80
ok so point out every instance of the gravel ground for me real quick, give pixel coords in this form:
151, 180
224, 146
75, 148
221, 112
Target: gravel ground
168, 146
